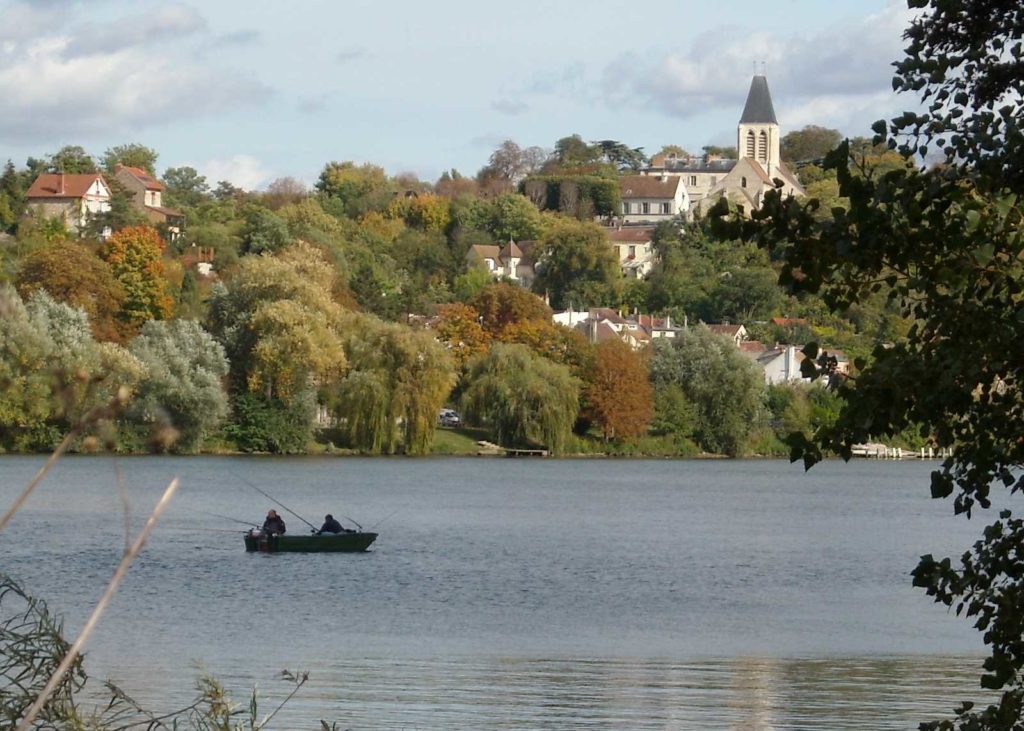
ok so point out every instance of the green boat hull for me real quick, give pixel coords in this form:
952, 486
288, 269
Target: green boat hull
326, 543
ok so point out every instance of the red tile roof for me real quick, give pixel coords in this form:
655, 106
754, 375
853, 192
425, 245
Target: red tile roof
142, 176
62, 185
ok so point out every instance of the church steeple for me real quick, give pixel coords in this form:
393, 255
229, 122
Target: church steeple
758, 134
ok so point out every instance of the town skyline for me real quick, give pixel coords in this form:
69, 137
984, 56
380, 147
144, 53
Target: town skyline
232, 94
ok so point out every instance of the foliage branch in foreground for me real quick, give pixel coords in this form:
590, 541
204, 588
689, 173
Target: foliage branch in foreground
946, 246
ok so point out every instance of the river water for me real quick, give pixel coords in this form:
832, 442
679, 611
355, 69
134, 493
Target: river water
517, 593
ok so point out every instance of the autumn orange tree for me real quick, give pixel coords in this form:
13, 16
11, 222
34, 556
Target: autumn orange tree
618, 391
135, 258
458, 327
555, 342
502, 304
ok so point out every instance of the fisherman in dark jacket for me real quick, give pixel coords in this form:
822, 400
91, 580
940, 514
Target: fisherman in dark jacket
274, 524
330, 525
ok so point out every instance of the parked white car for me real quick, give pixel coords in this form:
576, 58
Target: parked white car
449, 417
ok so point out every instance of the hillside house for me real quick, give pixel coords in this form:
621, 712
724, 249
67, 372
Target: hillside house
147, 196
650, 199
635, 249
72, 198
512, 261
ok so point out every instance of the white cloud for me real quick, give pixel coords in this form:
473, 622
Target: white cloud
49, 95
22, 21
820, 72
242, 171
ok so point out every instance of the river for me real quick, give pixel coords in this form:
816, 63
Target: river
517, 593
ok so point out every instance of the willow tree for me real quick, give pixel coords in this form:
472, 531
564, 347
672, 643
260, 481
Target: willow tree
397, 381
522, 398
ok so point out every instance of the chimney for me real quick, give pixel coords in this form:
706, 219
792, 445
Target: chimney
668, 321
60, 185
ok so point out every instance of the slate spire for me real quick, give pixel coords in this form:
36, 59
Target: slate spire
758, 109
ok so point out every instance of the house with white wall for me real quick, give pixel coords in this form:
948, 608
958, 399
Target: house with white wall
73, 198
635, 249
650, 199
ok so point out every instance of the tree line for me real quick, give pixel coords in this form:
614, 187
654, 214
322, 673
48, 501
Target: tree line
312, 329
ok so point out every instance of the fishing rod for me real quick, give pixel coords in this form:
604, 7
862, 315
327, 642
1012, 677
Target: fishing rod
228, 517
382, 519
273, 499
351, 520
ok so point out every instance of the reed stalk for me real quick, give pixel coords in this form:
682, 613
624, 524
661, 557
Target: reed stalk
100, 607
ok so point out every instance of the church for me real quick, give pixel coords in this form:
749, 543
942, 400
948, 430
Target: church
745, 180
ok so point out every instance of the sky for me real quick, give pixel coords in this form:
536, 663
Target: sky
252, 91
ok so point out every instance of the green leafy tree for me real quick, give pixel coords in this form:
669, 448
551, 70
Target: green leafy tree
357, 188
810, 143
577, 265
184, 187
72, 159
729, 153
264, 232
674, 414
183, 387
514, 217
944, 245
133, 155
622, 156
726, 388
675, 150
521, 398
573, 152
744, 294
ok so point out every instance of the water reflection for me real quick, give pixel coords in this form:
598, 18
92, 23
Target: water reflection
748, 694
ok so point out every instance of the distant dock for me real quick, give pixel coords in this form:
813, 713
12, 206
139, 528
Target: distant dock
882, 451
526, 453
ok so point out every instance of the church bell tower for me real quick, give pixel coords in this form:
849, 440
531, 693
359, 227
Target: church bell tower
758, 136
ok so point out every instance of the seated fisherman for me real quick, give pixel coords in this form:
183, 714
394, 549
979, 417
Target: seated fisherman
330, 525
274, 524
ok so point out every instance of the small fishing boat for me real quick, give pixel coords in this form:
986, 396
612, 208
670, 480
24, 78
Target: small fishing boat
351, 542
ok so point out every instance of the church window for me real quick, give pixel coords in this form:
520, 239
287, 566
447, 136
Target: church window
693, 180
762, 147
750, 143
743, 182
